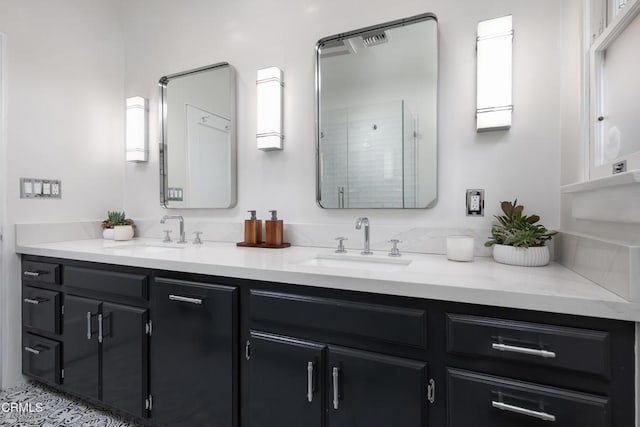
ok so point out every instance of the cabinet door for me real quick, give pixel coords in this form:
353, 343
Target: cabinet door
124, 358
373, 390
193, 354
81, 347
285, 384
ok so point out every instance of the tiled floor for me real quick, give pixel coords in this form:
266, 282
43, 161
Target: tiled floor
51, 409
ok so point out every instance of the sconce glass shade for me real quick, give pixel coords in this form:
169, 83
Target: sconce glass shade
269, 116
137, 138
494, 74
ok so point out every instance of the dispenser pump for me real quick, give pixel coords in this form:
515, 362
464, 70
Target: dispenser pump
253, 214
274, 215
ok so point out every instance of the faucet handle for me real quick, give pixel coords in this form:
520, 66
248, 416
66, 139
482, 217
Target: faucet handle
341, 249
196, 240
167, 237
394, 250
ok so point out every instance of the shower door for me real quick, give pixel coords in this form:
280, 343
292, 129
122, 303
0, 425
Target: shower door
368, 157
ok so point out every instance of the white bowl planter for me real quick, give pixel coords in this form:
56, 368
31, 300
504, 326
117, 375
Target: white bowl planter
123, 232
525, 257
107, 234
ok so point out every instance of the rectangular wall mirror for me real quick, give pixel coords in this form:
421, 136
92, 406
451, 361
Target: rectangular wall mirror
198, 148
376, 129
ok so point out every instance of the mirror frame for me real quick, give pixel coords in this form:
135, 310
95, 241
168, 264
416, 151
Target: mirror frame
384, 26
163, 161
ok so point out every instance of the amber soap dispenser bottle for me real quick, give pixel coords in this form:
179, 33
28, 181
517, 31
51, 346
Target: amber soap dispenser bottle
274, 230
252, 230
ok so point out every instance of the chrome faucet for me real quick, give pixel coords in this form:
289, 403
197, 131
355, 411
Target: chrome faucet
179, 218
359, 222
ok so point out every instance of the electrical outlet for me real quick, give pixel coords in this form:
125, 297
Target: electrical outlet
475, 202
55, 188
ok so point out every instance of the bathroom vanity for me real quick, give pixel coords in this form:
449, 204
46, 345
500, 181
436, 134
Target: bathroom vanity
226, 336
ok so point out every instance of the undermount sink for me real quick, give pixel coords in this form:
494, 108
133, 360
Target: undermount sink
360, 262
148, 247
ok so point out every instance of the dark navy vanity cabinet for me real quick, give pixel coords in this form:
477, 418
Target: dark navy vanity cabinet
181, 349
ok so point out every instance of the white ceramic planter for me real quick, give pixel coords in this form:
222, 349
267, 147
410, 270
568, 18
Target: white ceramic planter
123, 232
525, 257
107, 234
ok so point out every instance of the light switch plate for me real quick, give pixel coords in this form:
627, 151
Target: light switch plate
175, 194
37, 188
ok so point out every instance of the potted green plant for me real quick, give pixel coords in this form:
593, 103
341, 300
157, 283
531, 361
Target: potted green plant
117, 226
518, 239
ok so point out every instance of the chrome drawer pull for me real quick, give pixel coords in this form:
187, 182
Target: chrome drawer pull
310, 382
32, 301
524, 350
31, 273
185, 299
528, 412
32, 350
336, 388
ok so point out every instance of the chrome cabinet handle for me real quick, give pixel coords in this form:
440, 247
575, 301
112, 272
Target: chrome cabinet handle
523, 411
33, 301
185, 299
310, 382
99, 327
88, 325
523, 350
32, 350
336, 387
31, 273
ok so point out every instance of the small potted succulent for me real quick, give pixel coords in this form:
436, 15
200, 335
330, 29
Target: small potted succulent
518, 239
117, 226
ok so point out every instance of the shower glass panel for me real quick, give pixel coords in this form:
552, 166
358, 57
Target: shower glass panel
368, 160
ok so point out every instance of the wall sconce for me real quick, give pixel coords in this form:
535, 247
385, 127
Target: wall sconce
137, 138
494, 68
269, 100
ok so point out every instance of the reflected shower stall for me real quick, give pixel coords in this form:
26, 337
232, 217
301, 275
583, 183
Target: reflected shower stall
369, 157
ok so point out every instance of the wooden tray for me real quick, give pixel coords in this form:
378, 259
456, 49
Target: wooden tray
262, 245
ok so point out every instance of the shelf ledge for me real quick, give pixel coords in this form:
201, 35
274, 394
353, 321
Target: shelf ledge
626, 178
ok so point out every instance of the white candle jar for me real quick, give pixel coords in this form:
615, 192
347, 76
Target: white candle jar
460, 248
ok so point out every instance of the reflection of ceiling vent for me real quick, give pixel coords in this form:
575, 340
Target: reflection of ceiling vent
337, 47
374, 39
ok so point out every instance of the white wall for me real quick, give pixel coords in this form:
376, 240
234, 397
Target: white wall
165, 36
65, 113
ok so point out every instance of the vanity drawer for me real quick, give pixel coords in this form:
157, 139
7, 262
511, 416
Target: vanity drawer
40, 272
487, 401
576, 349
41, 309
41, 358
113, 282
390, 324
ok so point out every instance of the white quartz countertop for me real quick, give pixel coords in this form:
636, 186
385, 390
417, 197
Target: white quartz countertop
553, 288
